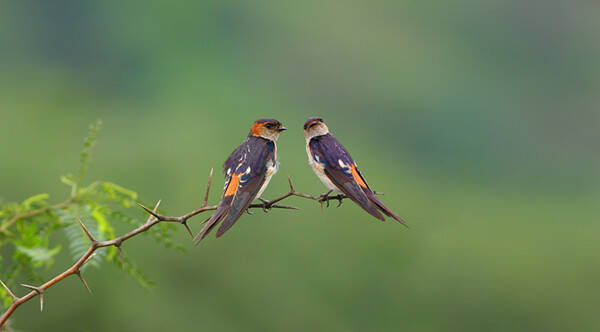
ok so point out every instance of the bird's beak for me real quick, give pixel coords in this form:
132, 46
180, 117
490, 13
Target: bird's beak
280, 129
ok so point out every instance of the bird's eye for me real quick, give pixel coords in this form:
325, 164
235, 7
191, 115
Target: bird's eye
269, 126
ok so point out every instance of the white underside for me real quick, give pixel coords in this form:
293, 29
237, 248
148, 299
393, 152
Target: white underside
268, 176
318, 169
272, 168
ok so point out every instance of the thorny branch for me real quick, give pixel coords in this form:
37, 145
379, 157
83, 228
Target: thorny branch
75, 269
152, 220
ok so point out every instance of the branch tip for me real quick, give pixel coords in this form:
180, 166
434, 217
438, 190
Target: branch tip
291, 185
89, 258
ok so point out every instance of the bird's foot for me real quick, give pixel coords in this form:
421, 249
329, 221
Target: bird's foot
339, 198
266, 204
325, 197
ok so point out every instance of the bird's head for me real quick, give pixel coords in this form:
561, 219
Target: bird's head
267, 128
315, 127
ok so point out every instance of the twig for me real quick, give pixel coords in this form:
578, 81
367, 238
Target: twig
4, 227
16, 217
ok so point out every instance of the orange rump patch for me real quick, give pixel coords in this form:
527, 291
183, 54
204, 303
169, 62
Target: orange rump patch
233, 185
357, 177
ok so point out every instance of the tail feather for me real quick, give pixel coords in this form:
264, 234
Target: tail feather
370, 209
354, 192
241, 200
384, 208
212, 222
238, 207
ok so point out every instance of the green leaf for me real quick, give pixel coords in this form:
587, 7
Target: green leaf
6, 299
163, 234
135, 272
88, 145
122, 217
27, 231
78, 241
104, 227
124, 196
39, 255
34, 199
68, 179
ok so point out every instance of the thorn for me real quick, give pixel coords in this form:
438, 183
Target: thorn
149, 211
89, 258
14, 297
155, 209
205, 201
157, 205
286, 207
121, 257
40, 292
378, 193
184, 223
291, 186
248, 212
83, 281
85, 230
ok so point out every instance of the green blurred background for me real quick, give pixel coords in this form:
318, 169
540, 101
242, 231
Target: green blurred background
478, 119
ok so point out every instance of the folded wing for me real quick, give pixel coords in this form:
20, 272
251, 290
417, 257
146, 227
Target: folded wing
245, 171
341, 170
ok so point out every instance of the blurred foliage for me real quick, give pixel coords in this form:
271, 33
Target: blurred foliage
27, 227
479, 120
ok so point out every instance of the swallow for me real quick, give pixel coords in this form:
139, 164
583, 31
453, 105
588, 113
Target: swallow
248, 171
339, 173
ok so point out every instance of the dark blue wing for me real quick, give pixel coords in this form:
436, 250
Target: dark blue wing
341, 170
245, 170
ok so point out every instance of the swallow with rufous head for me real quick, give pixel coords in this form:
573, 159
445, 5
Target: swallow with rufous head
248, 171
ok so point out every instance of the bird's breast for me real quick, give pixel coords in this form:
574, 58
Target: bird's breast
319, 169
272, 168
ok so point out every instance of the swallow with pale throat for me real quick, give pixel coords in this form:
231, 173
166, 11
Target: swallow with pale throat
339, 173
248, 171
